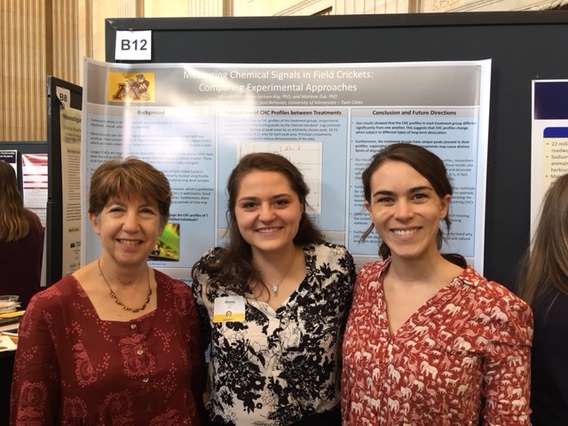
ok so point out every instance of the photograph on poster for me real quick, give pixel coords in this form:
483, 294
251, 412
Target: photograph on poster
167, 246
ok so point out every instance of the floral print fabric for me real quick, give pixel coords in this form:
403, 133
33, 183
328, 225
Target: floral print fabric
73, 368
279, 365
471, 339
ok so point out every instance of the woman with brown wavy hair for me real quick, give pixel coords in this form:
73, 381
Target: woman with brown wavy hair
21, 240
544, 286
429, 340
273, 303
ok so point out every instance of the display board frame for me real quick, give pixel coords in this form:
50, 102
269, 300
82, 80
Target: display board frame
522, 45
54, 227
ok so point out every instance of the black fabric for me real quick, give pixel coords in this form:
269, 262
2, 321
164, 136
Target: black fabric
549, 379
328, 418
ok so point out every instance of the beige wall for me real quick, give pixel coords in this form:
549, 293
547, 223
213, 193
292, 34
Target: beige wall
183, 8
100, 10
51, 37
22, 69
352, 7
37, 38
280, 8
313, 7
487, 6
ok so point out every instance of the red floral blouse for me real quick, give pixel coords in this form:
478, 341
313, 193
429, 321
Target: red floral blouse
73, 368
470, 340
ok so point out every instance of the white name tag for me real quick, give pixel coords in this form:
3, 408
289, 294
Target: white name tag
133, 45
230, 308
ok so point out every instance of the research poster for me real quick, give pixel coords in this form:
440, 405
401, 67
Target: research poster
10, 156
70, 130
34, 178
194, 121
549, 142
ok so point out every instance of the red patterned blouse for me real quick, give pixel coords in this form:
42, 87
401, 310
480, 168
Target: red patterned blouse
72, 368
470, 340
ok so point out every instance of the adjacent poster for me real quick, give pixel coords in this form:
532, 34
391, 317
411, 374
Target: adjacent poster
70, 122
34, 177
10, 156
194, 121
549, 156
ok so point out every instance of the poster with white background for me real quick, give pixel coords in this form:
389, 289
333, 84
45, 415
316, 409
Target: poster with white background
193, 122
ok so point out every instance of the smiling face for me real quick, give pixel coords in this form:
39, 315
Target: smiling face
405, 210
128, 228
267, 211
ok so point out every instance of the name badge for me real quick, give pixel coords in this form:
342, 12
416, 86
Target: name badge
230, 308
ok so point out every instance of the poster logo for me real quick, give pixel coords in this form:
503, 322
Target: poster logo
131, 87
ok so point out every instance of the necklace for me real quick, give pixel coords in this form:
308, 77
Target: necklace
118, 302
275, 286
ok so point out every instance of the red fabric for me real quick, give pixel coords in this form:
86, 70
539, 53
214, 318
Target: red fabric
73, 368
471, 339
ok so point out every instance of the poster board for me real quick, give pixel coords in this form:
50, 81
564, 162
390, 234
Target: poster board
60, 95
328, 119
397, 38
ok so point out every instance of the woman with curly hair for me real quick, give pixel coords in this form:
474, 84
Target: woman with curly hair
273, 304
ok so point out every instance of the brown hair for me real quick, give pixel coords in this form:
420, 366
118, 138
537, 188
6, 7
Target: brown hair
428, 165
127, 177
236, 270
545, 264
15, 219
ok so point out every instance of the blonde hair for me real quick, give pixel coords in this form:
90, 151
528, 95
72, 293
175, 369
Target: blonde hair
545, 264
15, 219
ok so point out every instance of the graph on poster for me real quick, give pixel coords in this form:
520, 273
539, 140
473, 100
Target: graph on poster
306, 156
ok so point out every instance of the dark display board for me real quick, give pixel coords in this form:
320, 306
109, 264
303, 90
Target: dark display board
54, 225
522, 45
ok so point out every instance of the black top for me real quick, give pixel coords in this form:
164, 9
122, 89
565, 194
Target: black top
549, 394
20, 264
